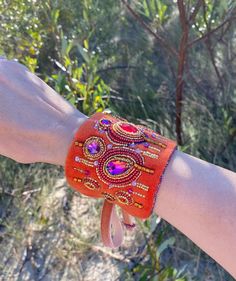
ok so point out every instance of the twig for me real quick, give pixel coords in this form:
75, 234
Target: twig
146, 27
190, 44
195, 12
197, 262
104, 251
115, 67
209, 46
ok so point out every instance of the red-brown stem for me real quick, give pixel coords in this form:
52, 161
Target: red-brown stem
182, 55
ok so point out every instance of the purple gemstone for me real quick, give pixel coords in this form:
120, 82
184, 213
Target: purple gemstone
105, 122
117, 167
130, 190
134, 183
93, 147
146, 144
77, 159
132, 144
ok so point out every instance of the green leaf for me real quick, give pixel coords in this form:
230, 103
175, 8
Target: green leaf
55, 15
164, 246
145, 7
86, 45
83, 52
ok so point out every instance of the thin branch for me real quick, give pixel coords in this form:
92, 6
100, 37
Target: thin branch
195, 12
209, 46
182, 56
205, 35
115, 67
146, 27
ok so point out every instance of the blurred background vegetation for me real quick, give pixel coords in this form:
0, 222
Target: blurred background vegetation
169, 65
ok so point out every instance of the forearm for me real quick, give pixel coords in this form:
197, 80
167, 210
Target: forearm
199, 199
36, 124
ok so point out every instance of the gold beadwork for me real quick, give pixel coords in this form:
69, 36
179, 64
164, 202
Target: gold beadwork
91, 184
86, 162
138, 205
77, 179
151, 155
78, 170
78, 143
142, 186
124, 197
162, 145
144, 169
108, 197
139, 194
154, 148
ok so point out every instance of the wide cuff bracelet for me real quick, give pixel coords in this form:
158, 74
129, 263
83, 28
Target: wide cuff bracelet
120, 162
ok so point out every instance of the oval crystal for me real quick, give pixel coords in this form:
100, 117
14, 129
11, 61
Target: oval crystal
129, 128
117, 167
105, 122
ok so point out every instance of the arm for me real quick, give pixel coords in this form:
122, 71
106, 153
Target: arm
199, 199
38, 125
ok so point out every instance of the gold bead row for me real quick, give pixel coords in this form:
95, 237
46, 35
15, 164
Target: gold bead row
149, 154
78, 143
86, 162
139, 194
154, 148
138, 205
143, 186
77, 180
144, 169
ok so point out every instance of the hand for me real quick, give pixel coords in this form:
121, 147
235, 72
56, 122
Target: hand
36, 123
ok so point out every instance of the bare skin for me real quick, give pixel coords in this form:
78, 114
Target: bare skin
198, 198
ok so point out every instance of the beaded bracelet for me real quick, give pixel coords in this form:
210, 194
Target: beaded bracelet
121, 162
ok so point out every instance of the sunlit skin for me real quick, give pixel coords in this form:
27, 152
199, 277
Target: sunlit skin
198, 198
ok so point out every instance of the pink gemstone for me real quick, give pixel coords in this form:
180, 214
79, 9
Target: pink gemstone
117, 167
130, 190
129, 128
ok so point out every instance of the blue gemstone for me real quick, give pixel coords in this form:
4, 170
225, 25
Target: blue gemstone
105, 122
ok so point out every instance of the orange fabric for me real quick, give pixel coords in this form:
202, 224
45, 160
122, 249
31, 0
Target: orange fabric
119, 161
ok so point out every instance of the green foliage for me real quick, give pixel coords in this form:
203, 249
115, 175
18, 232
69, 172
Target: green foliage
37, 39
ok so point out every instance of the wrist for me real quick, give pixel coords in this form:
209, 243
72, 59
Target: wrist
62, 137
162, 204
